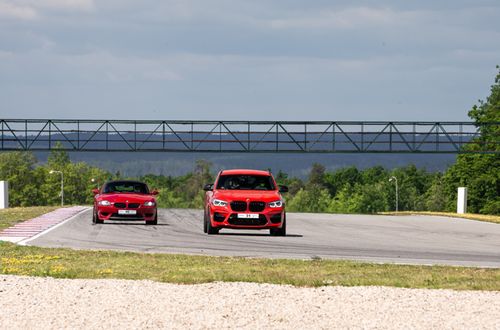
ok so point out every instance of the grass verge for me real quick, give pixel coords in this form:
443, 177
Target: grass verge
470, 216
11, 216
67, 263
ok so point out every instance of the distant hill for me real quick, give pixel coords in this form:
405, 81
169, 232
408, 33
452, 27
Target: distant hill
175, 164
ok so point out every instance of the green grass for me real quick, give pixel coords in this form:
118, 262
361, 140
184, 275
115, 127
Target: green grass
67, 263
9, 217
470, 216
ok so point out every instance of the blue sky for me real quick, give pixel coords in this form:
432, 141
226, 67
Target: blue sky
246, 60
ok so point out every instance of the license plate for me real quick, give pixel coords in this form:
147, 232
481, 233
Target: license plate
127, 212
248, 216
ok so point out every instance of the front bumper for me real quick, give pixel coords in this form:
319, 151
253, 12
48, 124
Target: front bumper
143, 213
224, 217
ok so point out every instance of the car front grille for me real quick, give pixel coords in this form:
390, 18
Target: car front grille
257, 206
238, 206
130, 205
234, 220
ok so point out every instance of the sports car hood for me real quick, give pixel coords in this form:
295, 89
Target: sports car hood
243, 195
131, 198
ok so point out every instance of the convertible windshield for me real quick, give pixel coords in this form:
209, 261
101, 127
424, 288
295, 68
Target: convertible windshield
126, 187
245, 182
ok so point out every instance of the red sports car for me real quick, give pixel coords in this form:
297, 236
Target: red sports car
125, 200
245, 199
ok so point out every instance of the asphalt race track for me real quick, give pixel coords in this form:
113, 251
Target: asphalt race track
400, 239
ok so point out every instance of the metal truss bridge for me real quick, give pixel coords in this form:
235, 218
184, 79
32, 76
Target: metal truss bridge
244, 136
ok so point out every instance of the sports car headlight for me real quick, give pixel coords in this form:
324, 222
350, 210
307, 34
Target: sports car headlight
150, 203
218, 202
104, 203
276, 204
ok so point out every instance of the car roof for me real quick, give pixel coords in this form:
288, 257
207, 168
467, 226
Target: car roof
244, 172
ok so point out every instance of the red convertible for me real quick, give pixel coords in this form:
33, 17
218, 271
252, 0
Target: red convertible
245, 199
125, 200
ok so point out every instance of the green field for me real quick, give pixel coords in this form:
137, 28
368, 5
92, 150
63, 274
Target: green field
67, 263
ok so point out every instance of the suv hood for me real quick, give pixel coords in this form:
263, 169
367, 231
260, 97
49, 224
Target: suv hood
243, 195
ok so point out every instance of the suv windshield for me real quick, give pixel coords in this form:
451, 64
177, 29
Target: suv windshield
126, 187
245, 182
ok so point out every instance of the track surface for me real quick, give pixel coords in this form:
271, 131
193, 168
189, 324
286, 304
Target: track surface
401, 239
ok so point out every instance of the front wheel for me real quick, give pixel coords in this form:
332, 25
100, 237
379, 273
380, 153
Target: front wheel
95, 218
153, 222
279, 231
205, 222
211, 230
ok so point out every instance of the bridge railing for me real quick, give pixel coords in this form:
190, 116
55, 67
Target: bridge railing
245, 136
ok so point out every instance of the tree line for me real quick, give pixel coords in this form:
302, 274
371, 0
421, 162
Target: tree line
347, 190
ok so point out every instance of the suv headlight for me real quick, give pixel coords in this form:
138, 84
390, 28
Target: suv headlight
150, 203
104, 203
276, 204
218, 202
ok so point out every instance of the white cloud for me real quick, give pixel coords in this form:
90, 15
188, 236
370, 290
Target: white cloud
10, 10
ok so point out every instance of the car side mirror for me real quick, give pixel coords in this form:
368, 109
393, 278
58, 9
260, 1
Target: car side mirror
155, 192
208, 187
283, 189
95, 191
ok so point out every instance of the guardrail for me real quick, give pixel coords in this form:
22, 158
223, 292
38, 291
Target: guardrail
245, 136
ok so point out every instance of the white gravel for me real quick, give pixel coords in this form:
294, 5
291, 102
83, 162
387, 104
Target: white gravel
46, 303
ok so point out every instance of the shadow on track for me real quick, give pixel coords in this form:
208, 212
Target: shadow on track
257, 234
129, 224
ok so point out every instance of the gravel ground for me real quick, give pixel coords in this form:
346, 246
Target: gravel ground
43, 303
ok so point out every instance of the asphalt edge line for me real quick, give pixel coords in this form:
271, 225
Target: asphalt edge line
25, 241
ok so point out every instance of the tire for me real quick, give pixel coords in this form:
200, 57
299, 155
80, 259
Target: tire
153, 222
279, 231
96, 217
93, 217
211, 230
205, 222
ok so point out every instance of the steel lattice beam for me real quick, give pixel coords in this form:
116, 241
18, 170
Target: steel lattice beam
245, 136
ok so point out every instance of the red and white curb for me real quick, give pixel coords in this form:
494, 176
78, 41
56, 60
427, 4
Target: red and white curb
25, 231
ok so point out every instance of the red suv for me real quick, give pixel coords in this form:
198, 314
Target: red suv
245, 199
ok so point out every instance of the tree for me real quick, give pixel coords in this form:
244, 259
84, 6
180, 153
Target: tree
317, 176
58, 157
339, 179
480, 172
311, 200
435, 198
24, 186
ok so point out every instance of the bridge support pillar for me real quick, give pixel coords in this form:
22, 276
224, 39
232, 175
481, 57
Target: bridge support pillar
4, 194
462, 200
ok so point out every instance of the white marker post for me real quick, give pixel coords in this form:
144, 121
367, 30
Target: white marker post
4, 194
462, 200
